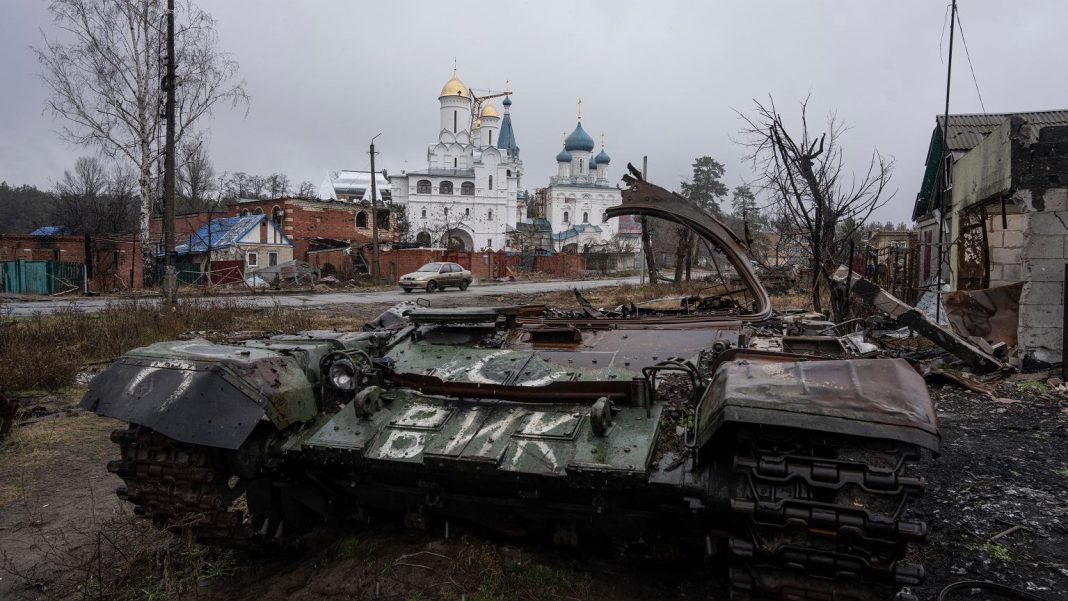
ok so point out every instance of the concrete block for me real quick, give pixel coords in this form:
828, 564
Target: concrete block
1044, 247
1030, 337
1044, 270
1010, 274
1005, 256
1041, 316
1048, 223
1042, 293
1055, 199
1022, 200
1012, 238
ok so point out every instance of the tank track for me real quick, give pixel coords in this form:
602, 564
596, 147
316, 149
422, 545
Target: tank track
180, 487
822, 517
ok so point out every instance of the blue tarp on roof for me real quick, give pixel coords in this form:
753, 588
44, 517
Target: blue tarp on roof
50, 230
223, 232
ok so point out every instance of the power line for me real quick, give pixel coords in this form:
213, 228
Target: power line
969, 56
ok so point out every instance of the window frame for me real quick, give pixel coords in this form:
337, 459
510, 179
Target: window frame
254, 256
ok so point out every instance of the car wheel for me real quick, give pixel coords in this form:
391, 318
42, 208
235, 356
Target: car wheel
407, 289
464, 284
431, 286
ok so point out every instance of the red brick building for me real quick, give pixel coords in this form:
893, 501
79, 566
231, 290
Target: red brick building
305, 219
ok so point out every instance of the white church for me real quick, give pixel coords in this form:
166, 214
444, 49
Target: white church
580, 192
467, 197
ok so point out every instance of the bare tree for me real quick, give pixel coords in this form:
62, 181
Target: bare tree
90, 200
307, 189
805, 175
197, 185
105, 83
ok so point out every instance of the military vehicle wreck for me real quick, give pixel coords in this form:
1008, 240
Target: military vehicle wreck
665, 434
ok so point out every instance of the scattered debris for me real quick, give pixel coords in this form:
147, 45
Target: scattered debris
874, 296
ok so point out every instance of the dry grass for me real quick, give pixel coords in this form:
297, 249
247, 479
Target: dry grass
47, 352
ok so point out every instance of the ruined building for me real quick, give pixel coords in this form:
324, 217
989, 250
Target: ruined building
1005, 193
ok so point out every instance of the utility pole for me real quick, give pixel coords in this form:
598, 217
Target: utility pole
170, 277
943, 168
647, 244
374, 212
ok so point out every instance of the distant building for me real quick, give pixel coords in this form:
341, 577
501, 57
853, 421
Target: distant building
467, 197
579, 193
355, 186
253, 239
309, 222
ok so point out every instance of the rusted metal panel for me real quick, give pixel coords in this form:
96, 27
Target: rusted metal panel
645, 199
879, 398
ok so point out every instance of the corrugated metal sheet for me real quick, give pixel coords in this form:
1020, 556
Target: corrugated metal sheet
966, 131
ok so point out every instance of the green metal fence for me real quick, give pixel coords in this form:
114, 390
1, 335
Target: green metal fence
40, 277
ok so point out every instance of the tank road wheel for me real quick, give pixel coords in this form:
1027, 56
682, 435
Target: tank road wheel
822, 517
431, 286
185, 487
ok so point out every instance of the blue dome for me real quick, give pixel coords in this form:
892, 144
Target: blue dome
563, 157
593, 163
602, 158
507, 101
579, 140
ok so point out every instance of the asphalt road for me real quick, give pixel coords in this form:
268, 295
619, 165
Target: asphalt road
90, 305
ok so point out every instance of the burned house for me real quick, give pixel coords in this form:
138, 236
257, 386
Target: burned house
1004, 190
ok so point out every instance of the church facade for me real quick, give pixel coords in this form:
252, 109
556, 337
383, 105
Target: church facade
468, 196
579, 193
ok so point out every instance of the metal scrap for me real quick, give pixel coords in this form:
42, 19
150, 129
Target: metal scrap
992, 314
886, 303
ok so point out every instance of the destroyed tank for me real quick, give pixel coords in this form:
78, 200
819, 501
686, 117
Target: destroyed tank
673, 430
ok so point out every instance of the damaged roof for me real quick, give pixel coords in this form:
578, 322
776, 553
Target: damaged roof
964, 133
221, 232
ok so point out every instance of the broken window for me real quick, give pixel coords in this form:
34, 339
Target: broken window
973, 253
272, 259
361, 219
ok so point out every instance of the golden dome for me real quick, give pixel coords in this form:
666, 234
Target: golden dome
489, 110
455, 87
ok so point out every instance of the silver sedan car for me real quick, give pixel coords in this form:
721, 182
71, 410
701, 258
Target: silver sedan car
435, 276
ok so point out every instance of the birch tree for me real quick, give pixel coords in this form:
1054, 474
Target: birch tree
105, 78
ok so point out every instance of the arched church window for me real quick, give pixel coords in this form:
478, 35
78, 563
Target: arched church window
445, 188
423, 187
567, 217
244, 212
258, 211
423, 239
467, 189
454, 122
422, 214
489, 214
467, 212
491, 137
509, 172
361, 219
491, 182
455, 162
585, 218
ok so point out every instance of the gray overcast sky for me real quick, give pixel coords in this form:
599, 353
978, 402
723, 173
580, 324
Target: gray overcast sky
658, 78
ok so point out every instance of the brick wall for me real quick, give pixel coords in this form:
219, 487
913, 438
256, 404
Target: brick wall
115, 260
184, 225
305, 219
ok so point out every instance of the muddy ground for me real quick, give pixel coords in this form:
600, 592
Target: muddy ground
997, 509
